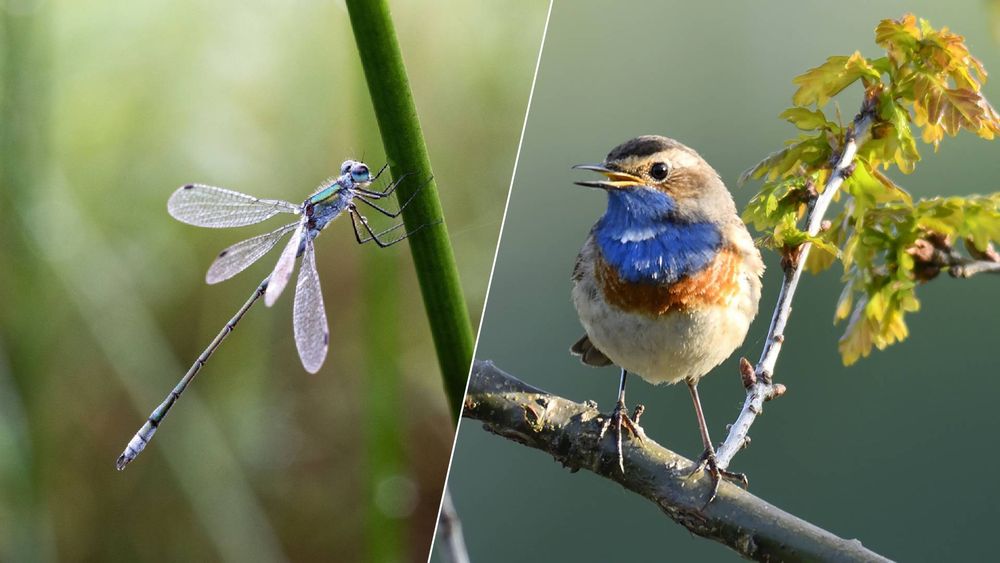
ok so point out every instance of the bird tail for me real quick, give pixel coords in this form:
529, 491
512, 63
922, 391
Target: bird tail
589, 354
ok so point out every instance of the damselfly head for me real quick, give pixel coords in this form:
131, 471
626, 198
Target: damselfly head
358, 171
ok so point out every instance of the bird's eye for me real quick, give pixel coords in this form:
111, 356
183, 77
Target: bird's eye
360, 173
659, 170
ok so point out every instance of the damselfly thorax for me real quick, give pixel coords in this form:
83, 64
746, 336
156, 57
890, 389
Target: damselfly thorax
328, 203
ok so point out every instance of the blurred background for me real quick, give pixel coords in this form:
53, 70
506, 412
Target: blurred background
106, 108
903, 461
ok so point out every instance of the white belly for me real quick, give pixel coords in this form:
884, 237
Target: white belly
665, 349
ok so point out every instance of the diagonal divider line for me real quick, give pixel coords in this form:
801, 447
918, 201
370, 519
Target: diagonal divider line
496, 253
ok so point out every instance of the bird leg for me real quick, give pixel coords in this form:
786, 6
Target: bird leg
619, 418
707, 459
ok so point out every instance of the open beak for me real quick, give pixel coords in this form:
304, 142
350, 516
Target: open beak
616, 180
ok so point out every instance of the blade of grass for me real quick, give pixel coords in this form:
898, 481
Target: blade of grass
406, 153
26, 533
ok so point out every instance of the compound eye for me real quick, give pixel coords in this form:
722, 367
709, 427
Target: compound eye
360, 173
659, 171
346, 166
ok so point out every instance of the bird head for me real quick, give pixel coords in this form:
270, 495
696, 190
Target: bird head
659, 177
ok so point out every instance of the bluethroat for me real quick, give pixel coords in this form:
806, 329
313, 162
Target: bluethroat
669, 279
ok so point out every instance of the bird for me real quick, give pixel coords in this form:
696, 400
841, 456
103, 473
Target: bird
668, 280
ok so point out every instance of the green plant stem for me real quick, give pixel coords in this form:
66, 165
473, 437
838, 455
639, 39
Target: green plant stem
407, 155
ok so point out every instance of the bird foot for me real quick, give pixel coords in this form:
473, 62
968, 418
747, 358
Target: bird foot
708, 462
620, 422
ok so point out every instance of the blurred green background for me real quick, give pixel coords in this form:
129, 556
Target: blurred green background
894, 450
107, 107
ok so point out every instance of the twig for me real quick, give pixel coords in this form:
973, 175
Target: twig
935, 253
973, 267
764, 389
452, 542
570, 432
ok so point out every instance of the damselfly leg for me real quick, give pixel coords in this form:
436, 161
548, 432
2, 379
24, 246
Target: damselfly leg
364, 195
380, 171
360, 222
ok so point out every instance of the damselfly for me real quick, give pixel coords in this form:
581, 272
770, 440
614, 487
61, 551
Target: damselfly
207, 206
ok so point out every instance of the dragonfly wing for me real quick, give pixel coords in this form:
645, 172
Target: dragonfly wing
283, 269
208, 206
241, 255
312, 337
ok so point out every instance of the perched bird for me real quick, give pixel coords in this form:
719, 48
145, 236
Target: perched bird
669, 279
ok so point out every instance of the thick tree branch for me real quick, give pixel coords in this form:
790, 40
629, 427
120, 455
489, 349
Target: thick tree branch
761, 388
570, 432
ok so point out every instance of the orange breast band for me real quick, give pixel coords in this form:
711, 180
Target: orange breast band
713, 285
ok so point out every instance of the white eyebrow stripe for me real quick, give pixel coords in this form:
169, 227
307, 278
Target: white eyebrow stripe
682, 159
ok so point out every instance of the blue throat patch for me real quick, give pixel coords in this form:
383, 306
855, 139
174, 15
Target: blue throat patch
638, 237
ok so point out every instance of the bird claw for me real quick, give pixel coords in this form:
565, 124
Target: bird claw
708, 462
619, 419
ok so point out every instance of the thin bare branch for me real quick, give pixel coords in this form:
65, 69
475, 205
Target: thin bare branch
971, 268
764, 389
